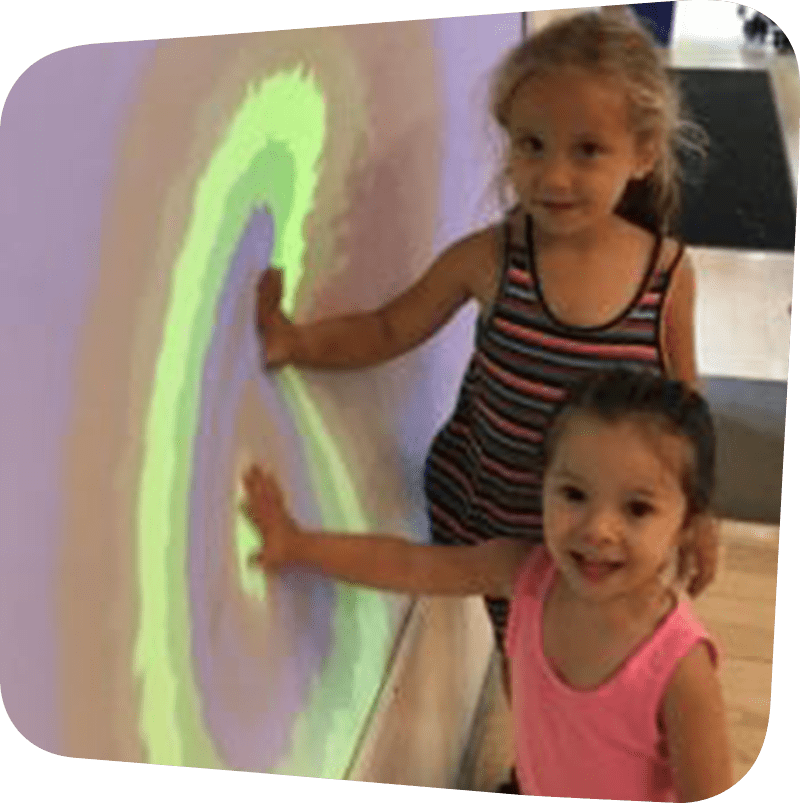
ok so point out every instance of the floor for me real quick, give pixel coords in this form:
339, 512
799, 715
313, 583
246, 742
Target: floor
739, 609
743, 320
743, 297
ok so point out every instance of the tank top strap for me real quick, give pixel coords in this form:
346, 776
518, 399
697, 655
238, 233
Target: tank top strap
661, 276
514, 255
511, 255
651, 278
648, 672
648, 293
519, 270
517, 239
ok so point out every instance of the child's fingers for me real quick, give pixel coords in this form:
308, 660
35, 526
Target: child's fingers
255, 472
263, 494
271, 488
251, 514
270, 283
276, 283
270, 290
252, 472
253, 480
273, 282
258, 560
262, 483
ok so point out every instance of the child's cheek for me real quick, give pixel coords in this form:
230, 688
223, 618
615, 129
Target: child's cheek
552, 524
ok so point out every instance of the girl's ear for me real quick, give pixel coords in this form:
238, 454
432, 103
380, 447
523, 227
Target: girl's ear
647, 157
698, 552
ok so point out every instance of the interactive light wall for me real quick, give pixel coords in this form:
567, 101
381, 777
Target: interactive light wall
145, 186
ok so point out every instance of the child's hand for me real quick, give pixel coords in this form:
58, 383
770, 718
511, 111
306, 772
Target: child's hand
275, 330
263, 505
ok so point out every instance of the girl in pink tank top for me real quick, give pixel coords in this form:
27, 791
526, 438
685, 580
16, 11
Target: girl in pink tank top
615, 692
614, 685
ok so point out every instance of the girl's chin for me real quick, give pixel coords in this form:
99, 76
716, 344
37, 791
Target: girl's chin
571, 223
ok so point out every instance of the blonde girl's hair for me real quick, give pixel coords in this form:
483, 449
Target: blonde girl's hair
610, 42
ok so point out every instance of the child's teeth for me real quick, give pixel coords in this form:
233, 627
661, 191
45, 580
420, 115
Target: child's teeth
594, 569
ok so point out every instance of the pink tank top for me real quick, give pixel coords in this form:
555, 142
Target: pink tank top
602, 743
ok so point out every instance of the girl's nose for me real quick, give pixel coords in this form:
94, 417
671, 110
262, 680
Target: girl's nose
600, 527
556, 173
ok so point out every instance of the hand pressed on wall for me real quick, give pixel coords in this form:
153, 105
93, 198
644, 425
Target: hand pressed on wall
263, 505
273, 327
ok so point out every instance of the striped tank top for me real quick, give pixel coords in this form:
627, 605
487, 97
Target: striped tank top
483, 474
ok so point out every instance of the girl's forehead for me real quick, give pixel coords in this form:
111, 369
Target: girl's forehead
571, 97
636, 445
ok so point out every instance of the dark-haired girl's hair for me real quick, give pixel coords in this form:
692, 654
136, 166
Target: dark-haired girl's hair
621, 394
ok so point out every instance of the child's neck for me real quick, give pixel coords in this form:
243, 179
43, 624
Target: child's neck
586, 643
584, 241
590, 278
640, 609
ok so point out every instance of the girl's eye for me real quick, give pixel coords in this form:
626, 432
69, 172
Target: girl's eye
572, 493
530, 145
589, 149
640, 509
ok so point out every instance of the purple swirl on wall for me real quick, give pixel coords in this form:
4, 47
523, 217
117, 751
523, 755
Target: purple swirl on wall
249, 719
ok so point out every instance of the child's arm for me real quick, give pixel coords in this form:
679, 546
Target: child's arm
693, 714
368, 338
383, 562
678, 332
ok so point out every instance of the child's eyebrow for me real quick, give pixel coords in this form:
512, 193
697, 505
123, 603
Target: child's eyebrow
566, 474
520, 131
589, 136
650, 493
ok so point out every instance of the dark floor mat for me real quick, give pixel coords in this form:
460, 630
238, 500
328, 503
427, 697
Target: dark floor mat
740, 195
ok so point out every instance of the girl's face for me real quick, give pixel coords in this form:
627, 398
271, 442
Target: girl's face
572, 151
614, 506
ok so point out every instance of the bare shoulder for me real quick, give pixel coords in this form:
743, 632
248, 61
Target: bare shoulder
681, 290
463, 271
693, 695
695, 673
677, 336
475, 259
637, 242
674, 255
693, 717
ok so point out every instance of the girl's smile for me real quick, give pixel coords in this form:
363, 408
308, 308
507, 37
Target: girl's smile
556, 207
595, 570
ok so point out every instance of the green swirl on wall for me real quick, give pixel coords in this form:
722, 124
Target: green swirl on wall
268, 157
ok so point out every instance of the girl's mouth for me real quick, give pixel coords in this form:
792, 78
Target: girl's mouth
595, 571
558, 206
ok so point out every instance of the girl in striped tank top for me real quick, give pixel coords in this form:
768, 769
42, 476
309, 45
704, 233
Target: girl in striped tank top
483, 475
567, 283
